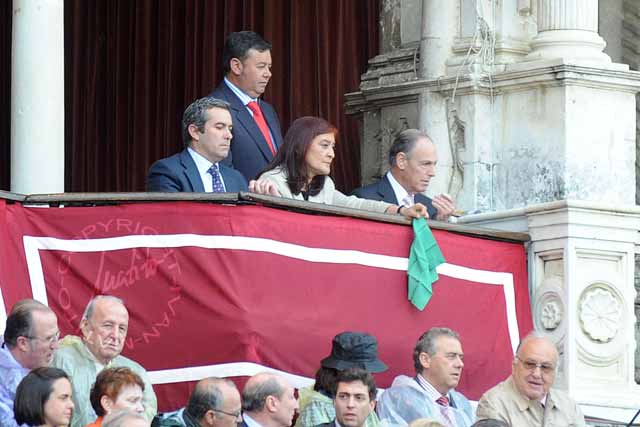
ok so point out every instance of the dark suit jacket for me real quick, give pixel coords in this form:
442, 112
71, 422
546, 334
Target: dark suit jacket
329, 424
250, 152
382, 190
180, 173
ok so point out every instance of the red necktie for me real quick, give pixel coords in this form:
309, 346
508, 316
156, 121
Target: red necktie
443, 401
262, 124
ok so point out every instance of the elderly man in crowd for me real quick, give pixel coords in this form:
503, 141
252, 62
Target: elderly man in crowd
413, 159
437, 358
268, 401
104, 328
215, 402
30, 340
526, 397
355, 398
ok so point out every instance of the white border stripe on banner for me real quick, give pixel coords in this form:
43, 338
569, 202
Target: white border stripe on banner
223, 370
3, 313
33, 245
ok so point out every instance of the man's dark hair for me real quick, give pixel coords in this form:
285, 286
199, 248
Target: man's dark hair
206, 396
33, 392
427, 344
490, 422
254, 396
196, 114
237, 45
326, 381
20, 321
357, 374
404, 143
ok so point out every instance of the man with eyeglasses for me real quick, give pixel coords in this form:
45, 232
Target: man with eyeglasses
526, 397
438, 360
268, 401
215, 402
355, 398
30, 340
104, 328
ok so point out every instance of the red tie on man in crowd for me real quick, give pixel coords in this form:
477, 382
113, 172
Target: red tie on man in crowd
262, 124
443, 401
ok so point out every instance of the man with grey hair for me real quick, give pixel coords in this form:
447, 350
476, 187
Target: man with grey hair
30, 340
215, 402
526, 397
125, 418
206, 133
104, 328
438, 360
268, 401
412, 161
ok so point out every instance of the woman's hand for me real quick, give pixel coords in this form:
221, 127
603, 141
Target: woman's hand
263, 186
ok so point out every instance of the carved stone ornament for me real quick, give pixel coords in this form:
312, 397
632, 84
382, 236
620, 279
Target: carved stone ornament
385, 137
551, 315
600, 314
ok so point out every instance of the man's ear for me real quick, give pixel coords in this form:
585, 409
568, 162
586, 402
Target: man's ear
23, 344
209, 417
401, 160
271, 404
425, 360
194, 132
85, 328
236, 66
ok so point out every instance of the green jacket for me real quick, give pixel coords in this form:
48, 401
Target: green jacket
75, 359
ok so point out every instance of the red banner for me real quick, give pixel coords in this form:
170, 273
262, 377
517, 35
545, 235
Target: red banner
233, 290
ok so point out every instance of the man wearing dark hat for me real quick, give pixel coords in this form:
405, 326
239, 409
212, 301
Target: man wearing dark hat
348, 350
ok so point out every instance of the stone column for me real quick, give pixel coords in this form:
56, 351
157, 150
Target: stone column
37, 97
568, 29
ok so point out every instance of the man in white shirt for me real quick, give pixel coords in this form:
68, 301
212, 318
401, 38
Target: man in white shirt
413, 159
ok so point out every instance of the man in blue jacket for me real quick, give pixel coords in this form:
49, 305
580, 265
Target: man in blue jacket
206, 132
246, 62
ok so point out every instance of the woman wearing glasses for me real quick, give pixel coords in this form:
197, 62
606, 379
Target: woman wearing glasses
43, 398
116, 389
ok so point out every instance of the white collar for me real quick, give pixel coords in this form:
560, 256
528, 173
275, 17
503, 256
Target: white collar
398, 189
202, 163
244, 98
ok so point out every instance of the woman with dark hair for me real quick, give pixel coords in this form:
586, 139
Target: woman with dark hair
301, 167
43, 398
116, 389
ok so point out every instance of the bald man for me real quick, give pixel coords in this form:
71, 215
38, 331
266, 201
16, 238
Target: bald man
526, 397
215, 402
268, 401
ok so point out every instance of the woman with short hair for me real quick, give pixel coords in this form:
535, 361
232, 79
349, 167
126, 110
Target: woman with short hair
44, 398
116, 389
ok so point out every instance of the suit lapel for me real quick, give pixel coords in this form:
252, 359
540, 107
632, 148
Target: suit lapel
191, 172
246, 121
385, 190
269, 117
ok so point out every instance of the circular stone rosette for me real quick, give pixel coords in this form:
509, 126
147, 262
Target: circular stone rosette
600, 312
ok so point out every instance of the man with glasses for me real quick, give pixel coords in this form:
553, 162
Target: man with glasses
215, 402
268, 401
30, 340
104, 328
438, 360
526, 397
413, 159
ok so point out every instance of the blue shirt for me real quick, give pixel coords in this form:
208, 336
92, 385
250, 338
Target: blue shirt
11, 373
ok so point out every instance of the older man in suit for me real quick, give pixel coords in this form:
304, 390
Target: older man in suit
206, 132
246, 61
268, 400
413, 159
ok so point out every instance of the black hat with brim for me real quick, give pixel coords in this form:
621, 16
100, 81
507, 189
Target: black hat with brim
354, 350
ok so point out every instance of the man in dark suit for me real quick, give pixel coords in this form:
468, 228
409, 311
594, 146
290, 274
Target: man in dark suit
355, 398
413, 159
206, 132
246, 62
214, 402
268, 401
